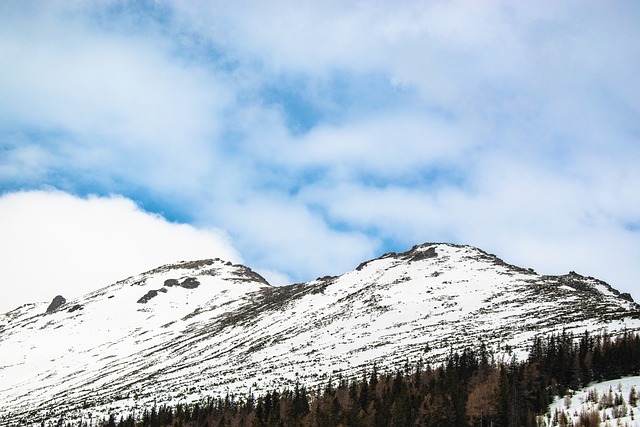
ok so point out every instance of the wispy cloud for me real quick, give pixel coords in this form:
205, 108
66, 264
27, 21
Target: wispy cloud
317, 134
117, 105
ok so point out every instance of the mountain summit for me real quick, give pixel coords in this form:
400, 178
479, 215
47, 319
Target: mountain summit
192, 329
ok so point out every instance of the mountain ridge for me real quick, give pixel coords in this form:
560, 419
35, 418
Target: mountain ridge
190, 329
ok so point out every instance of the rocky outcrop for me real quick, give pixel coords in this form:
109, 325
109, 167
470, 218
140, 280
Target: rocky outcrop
171, 282
57, 302
190, 283
147, 297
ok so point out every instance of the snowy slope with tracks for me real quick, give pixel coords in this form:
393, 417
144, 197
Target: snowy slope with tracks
193, 329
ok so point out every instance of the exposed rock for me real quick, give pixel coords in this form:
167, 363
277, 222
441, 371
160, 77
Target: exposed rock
245, 274
416, 253
419, 255
626, 296
147, 297
75, 308
191, 265
190, 283
171, 282
362, 265
57, 302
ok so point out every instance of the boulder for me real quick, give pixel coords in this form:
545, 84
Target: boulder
145, 298
190, 283
171, 282
57, 302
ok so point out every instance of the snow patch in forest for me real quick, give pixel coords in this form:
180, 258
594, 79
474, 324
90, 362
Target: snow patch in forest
616, 403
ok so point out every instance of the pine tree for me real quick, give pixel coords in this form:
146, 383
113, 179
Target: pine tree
633, 397
483, 396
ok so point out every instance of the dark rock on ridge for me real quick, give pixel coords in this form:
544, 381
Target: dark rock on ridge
147, 297
190, 283
171, 282
75, 308
57, 302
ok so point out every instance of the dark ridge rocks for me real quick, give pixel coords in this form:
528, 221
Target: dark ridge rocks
365, 263
573, 277
171, 282
577, 282
75, 308
148, 296
57, 302
192, 314
192, 265
416, 254
362, 265
626, 296
245, 274
187, 265
486, 256
190, 283
210, 272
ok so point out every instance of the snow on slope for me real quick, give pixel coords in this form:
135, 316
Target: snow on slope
611, 399
108, 343
234, 332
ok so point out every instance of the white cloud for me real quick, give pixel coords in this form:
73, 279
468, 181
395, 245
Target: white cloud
281, 234
54, 243
512, 125
529, 214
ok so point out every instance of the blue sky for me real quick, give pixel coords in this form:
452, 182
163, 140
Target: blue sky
302, 138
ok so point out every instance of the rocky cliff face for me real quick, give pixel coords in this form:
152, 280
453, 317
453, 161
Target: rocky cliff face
188, 330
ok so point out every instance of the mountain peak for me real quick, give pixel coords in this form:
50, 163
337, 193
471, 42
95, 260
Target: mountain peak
212, 267
195, 328
447, 252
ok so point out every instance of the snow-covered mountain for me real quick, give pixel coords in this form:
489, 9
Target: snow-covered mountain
193, 329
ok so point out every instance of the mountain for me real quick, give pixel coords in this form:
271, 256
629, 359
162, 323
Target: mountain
203, 328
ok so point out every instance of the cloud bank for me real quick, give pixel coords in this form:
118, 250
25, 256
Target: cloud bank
322, 133
54, 243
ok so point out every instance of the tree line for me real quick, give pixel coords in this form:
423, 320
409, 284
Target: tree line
470, 388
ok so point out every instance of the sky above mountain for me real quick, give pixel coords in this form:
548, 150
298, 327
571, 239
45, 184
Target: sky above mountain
302, 138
